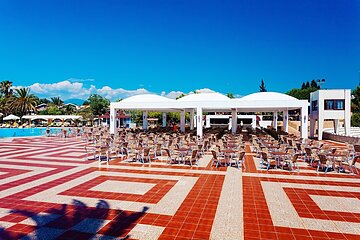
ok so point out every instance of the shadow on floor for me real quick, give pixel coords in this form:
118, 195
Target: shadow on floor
76, 221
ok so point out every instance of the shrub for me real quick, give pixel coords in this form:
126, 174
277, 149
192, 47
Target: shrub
355, 120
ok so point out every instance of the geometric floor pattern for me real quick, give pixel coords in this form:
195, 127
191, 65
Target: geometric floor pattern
49, 190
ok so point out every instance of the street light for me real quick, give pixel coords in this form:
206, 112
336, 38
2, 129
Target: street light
320, 81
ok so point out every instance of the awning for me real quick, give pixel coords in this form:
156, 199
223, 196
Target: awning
11, 117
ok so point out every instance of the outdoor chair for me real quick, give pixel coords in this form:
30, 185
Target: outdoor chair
357, 149
171, 157
268, 162
90, 152
104, 155
324, 162
240, 160
145, 155
158, 150
215, 158
129, 155
292, 162
351, 163
193, 158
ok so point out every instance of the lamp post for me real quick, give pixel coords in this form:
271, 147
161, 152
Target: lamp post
320, 81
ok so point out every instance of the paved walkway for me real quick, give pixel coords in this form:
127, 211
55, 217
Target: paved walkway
48, 190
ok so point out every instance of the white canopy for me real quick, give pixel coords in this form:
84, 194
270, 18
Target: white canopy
11, 117
256, 102
47, 117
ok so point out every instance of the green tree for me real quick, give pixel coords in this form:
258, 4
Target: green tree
355, 102
180, 96
69, 109
52, 110
98, 104
23, 101
230, 95
314, 84
57, 101
5, 88
303, 86
262, 86
44, 100
304, 91
355, 120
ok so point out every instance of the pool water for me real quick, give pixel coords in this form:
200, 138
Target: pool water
26, 132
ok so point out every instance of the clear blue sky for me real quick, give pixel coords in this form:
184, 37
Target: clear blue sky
174, 45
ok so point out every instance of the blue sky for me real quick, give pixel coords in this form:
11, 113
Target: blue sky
119, 48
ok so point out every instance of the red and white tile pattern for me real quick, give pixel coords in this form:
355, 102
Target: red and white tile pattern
49, 190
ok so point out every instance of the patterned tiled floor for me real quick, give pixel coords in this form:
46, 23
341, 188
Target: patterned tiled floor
48, 190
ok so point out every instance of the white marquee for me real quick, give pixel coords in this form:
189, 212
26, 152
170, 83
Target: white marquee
197, 103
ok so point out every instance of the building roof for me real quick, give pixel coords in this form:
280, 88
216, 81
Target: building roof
268, 96
261, 101
203, 97
146, 98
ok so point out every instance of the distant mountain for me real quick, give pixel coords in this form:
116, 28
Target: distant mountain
76, 101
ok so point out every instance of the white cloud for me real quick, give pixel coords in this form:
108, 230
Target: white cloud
71, 88
64, 89
203, 90
74, 88
117, 93
172, 94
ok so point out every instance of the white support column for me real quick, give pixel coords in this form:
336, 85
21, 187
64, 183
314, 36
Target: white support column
336, 126
312, 127
234, 120
286, 120
145, 122
199, 125
275, 117
192, 119
320, 127
182, 121
347, 114
164, 119
112, 120
304, 121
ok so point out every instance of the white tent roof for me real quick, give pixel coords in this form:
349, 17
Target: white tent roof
268, 96
146, 98
146, 102
203, 97
11, 117
261, 101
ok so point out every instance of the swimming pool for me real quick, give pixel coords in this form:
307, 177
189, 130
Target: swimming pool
26, 132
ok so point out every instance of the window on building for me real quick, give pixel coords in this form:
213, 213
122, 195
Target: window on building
314, 105
334, 104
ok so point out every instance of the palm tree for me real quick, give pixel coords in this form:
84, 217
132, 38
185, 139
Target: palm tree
5, 88
70, 109
23, 101
57, 101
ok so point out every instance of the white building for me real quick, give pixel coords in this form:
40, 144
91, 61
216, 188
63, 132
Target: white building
330, 105
196, 104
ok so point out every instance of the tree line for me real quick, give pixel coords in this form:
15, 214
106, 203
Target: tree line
20, 101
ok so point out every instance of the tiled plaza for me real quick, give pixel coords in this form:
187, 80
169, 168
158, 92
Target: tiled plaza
49, 190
